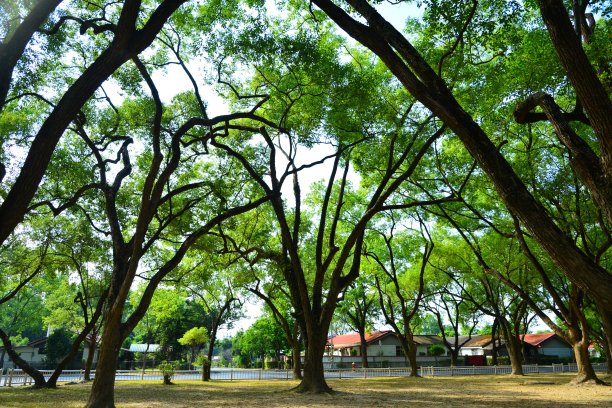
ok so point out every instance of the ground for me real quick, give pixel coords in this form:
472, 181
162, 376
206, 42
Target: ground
478, 391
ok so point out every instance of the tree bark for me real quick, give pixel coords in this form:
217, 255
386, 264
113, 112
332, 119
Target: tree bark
297, 360
103, 388
90, 358
585, 369
410, 352
313, 380
589, 89
606, 320
364, 350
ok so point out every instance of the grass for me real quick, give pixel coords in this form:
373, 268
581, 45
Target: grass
479, 391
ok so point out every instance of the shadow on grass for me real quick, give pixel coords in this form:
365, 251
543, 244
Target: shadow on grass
480, 391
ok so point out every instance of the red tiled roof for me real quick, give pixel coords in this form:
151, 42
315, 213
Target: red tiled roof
352, 339
537, 339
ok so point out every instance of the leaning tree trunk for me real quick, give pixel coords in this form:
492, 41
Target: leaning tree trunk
39, 379
103, 389
313, 380
585, 369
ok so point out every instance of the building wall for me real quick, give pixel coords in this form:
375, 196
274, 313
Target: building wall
29, 354
555, 347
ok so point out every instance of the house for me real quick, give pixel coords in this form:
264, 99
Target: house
382, 347
33, 353
536, 346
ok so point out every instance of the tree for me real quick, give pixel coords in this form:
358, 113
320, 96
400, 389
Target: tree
412, 69
194, 338
401, 285
126, 43
357, 309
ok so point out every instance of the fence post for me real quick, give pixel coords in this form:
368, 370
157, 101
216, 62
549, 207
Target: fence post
365, 372
260, 370
231, 373
537, 369
389, 370
11, 377
473, 370
495, 366
1, 375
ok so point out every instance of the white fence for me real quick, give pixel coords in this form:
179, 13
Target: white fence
12, 377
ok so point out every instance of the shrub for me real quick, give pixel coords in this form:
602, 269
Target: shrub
167, 368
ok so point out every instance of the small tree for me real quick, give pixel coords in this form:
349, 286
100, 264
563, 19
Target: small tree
167, 368
436, 350
194, 338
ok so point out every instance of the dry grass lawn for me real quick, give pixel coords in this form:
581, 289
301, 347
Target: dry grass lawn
551, 391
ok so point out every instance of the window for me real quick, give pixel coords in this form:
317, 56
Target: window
398, 351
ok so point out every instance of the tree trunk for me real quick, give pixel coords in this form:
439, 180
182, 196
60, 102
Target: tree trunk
514, 353
585, 369
454, 355
297, 360
313, 380
364, 351
89, 361
39, 379
103, 389
606, 319
409, 349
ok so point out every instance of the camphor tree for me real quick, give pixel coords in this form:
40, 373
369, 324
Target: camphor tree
379, 129
37, 103
463, 36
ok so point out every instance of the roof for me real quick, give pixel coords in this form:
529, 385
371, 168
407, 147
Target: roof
353, 339
534, 340
537, 339
33, 344
481, 340
142, 348
426, 340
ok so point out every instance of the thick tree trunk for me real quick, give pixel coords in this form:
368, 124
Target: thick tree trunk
454, 355
409, 349
103, 389
514, 353
313, 380
89, 361
297, 360
585, 369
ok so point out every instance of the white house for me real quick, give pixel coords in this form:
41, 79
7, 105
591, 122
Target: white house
33, 353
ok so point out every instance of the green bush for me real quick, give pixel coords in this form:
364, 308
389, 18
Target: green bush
167, 368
